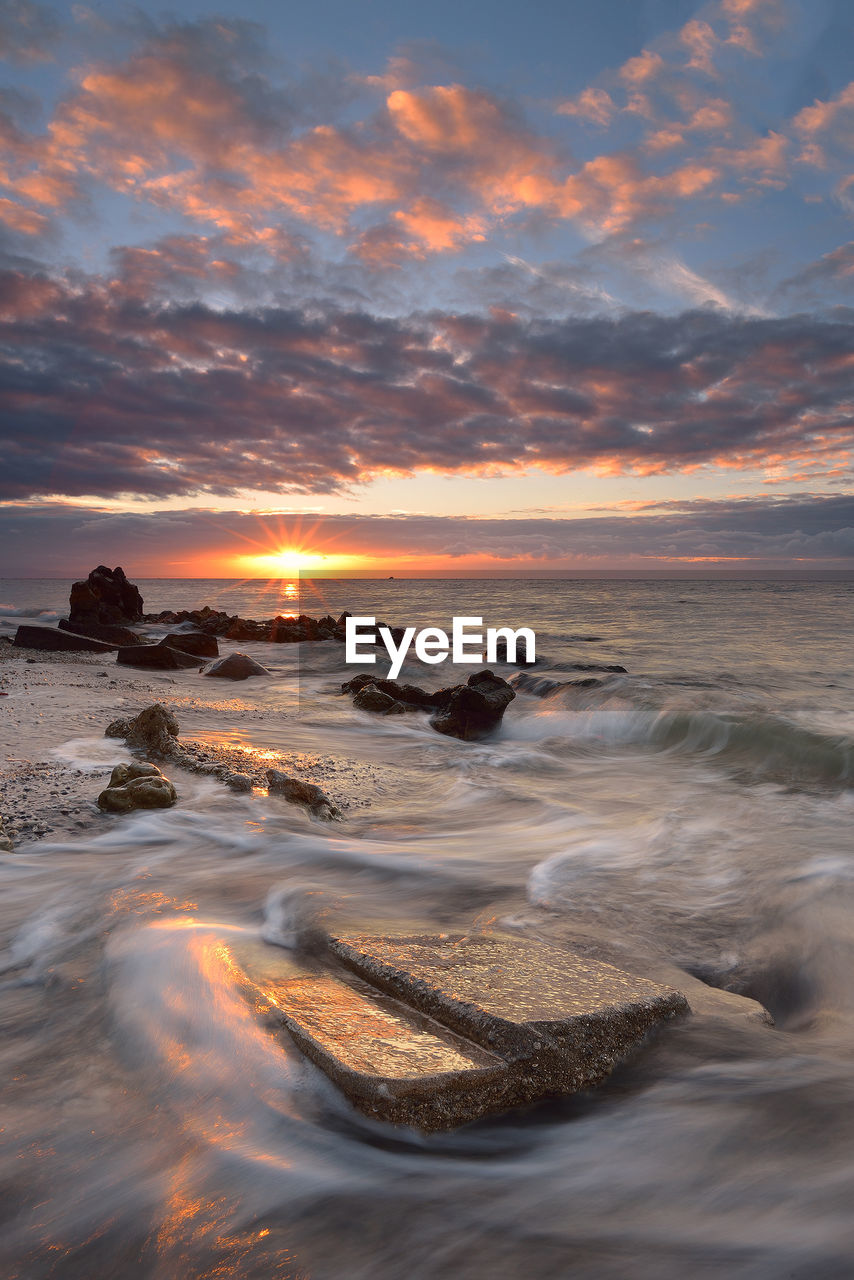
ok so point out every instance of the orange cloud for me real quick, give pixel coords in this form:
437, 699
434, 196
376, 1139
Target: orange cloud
19, 218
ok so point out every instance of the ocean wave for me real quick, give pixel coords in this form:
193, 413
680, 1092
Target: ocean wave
10, 612
764, 746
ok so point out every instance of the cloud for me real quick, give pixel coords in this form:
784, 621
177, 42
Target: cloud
108, 392
195, 122
28, 31
832, 270
803, 530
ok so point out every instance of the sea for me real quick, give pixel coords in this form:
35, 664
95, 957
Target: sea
696, 810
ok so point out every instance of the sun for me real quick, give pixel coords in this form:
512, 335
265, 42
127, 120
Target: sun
287, 562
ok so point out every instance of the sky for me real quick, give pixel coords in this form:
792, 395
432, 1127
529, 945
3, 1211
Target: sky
470, 287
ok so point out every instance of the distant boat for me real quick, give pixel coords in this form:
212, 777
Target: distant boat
391, 577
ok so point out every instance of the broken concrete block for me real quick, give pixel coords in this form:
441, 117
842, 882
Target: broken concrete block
563, 1020
438, 1031
390, 1062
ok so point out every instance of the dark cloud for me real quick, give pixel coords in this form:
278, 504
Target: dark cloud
107, 392
804, 530
832, 272
28, 31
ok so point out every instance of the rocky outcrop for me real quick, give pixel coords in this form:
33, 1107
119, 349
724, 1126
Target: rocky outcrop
468, 711
302, 793
237, 666
474, 709
105, 596
279, 630
5, 839
55, 641
154, 731
139, 785
155, 657
110, 633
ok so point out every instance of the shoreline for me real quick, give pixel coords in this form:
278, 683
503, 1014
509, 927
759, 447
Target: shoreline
54, 698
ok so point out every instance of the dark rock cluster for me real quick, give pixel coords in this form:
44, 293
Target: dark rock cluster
278, 630
468, 711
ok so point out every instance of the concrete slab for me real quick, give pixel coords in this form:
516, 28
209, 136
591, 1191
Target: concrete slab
392, 1063
438, 1031
569, 1017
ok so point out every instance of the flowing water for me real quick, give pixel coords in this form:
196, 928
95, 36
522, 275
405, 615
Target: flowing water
696, 811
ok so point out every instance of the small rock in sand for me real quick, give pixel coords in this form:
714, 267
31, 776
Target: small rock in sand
137, 786
238, 781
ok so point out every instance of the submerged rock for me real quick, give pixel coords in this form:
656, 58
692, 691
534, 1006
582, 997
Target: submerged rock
544, 687
154, 730
302, 793
105, 596
237, 666
139, 785
474, 709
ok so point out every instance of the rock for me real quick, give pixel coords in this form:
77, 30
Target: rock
58, 641
105, 596
410, 694
238, 781
438, 1031
200, 645
237, 666
370, 698
112, 634
154, 730
142, 787
5, 839
302, 793
521, 659
474, 709
155, 657
123, 773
